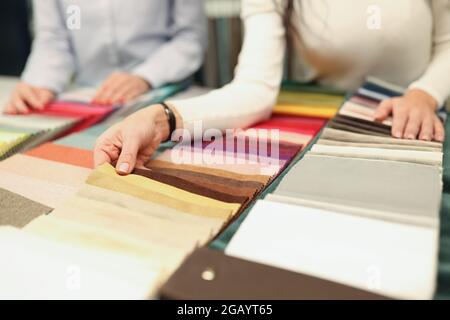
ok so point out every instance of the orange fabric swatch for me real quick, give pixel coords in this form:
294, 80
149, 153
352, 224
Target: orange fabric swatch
64, 154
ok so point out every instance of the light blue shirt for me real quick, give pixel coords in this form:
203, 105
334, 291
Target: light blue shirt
162, 41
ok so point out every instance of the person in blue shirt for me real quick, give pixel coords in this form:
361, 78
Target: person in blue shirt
124, 47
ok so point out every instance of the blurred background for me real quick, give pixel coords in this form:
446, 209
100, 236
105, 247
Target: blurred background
225, 39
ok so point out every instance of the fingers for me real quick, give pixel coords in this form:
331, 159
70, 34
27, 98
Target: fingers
413, 126
128, 155
18, 105
427, 129
439, 131
109, 89
384, 110
119, 88
46, 96
31, 97
399, 120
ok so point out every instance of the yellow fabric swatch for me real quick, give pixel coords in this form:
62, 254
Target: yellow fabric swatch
307, 111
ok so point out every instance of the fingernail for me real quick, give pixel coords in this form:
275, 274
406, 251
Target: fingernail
124, 167
398, 134
426, 138
411, 137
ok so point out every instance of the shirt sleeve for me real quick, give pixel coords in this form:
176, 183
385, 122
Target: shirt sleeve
436, 80
249, 98
183, 54
51, 62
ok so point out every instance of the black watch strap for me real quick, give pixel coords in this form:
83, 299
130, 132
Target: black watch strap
171, 119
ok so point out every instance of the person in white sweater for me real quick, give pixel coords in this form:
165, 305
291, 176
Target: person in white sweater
405, 42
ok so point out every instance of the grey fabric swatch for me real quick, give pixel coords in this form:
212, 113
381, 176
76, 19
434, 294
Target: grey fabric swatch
18, 211
408, 189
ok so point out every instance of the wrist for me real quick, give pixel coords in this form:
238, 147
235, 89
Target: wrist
423, 96
162, 121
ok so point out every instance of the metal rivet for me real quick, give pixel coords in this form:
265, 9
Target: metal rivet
208, 274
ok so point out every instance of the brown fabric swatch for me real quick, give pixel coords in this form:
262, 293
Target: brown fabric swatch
339, 126
190, 186
215, 172
362, 124
18, 211
211, 179
235, 279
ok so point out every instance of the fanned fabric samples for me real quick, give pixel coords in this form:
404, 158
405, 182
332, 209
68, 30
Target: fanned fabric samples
357, 199
155, 217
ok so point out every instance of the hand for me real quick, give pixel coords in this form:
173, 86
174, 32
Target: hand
132, 142
414, 116
26, 98
120, 88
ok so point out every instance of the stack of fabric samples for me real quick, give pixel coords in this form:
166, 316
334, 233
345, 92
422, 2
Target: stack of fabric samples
360, 208
139, 227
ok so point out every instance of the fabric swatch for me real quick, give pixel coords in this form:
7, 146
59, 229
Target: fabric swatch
35, 268
191, 186
370, 186
327, 142
146, 189
237, 279
149, 208
396, 253
44, 192
18, 211
340, 135
411, 156
68, 155
46, 170
132, 224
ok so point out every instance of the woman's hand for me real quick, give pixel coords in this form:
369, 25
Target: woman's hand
120, 88
414, 116
26, 98
132, 142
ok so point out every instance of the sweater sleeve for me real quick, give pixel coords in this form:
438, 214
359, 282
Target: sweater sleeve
436, 80
249, 98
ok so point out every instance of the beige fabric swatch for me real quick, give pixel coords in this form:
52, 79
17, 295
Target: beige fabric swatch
133, 224
149, 208
46, 170
411, 156
375, 145
47, 193
35, 268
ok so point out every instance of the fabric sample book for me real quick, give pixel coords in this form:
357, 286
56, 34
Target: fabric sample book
386, 258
